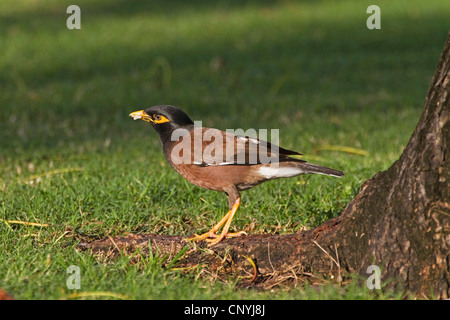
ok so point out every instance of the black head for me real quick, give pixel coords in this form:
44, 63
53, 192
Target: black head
164, 118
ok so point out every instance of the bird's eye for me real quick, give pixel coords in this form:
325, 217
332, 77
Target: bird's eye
156, 117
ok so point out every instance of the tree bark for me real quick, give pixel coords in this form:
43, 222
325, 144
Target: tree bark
399, 221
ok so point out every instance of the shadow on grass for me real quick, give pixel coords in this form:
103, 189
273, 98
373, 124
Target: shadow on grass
276, 63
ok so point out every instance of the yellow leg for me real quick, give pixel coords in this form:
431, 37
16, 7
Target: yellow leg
211, 233
225, 220
227, 225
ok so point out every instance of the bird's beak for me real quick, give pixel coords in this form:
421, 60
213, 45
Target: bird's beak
141, 115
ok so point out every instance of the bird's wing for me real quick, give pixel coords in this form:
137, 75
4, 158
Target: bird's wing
220, 148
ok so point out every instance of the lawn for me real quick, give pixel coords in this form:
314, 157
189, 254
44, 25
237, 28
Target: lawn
75, 165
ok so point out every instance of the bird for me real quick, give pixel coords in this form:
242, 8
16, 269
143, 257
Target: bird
222, 161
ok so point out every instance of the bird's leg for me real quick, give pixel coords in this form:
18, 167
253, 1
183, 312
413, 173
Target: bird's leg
225, 220
230, 217
211, 233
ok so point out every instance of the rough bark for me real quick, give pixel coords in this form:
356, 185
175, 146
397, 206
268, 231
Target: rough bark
399, 221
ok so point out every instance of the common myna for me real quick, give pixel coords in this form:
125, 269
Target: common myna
222, 161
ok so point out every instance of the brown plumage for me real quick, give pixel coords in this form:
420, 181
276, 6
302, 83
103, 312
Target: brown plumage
221, 161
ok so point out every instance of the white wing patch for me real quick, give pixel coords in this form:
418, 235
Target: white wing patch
204, 164
274, 172
245, 139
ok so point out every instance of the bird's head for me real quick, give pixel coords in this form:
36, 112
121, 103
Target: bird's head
164, 118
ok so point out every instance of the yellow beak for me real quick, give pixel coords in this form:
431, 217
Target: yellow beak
141, 115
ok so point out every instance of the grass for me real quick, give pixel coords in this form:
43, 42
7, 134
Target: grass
71, 158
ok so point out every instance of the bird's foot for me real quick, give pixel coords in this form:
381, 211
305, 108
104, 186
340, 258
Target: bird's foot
225, 220
220, 237
204, 236
213, 238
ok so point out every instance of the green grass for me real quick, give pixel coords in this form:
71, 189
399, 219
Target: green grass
71, 157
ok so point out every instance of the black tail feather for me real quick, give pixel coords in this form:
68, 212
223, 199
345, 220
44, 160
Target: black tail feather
314, 168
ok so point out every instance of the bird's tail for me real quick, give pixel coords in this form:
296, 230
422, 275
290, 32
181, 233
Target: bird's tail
307, 167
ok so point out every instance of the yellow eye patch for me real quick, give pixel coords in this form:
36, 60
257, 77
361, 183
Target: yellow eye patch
157, 118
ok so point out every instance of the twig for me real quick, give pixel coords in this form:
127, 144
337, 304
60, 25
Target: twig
26, 223
268, 256
255, 273
113, 242
337, 263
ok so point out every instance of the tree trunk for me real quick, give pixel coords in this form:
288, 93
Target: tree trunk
399, 221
